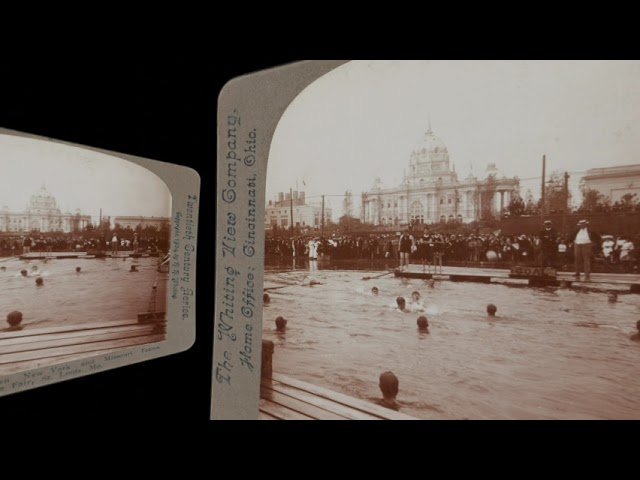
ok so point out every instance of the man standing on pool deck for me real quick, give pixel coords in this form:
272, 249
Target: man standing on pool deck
583, 241
114, 244
26, 244
405, 243
548, 245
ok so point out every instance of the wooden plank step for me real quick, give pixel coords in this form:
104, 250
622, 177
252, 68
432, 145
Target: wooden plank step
266, 416
298, 405
61, 342
27, 331
84, 348
418, 275
470, 278
334, 407
281, 412
74, 334
367, 407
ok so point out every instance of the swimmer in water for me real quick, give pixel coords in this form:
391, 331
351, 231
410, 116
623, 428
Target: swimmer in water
78, 269
431, 283
636, 337
416, 304
374, 290
3, 268
34, 268
281, 324
612, 297
423, 324
402, 305
24, 273
389, 386
266, 298
491, 310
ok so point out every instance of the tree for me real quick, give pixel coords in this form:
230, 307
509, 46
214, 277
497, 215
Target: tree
516, 204
628, 199
488, 195
347, 204
457, 199
530, 205
590, 199
554, 196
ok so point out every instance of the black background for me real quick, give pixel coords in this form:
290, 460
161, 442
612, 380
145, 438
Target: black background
164, 110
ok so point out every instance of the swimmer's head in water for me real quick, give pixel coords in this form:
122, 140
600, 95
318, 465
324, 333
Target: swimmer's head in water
401, 302
613, 297
431, 283
78, 269
374, 290
266, 298
415, 296
34, 268
492, 309
423, 323
638, 325
24, 273
3, 268
281, 324
133, 268
39, 281
389, 385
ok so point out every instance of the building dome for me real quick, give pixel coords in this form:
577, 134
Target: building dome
429, 149
43, 202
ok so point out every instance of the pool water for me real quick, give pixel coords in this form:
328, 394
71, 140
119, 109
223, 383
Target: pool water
549, 354
104, 290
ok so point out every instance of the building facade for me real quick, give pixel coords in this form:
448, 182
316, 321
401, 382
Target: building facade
133, 222
278, 212
431, 192
614, 182
42, 215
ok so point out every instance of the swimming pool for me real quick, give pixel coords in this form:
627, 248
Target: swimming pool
104, 290
550, 353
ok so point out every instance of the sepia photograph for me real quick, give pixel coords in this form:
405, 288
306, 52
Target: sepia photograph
443, 240
84, 256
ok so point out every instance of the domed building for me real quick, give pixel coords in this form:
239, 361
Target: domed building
430, 191
42, 214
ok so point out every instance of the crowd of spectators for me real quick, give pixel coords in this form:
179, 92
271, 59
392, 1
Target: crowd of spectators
78, 242
458, 248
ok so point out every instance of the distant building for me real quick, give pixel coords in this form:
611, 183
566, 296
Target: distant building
133, 222
614, 182
42, 215
278, 212
430, 191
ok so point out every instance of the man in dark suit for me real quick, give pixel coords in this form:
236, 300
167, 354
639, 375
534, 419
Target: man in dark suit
548, 245
586, 243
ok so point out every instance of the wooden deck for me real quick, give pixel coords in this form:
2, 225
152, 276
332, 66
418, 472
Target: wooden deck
285, 398
85, 255
607, 281
36, 347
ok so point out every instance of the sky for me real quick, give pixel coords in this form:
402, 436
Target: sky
78, 178
362, 120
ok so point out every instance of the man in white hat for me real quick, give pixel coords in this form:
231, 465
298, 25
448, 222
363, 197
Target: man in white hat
583, 241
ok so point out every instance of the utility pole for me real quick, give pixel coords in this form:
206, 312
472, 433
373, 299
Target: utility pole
322, 230
544, 168
566, 200
291, 206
